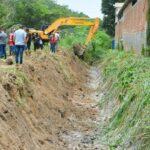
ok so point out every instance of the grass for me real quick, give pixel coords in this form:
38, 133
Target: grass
98, 47
78, 35
17, 78
130, 81
148, 25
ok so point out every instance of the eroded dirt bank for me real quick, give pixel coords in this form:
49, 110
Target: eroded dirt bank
49, 104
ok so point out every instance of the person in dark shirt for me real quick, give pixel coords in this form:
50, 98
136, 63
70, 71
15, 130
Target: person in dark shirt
36, 39
28, 47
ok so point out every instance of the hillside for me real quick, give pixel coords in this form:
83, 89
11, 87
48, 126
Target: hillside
33, 13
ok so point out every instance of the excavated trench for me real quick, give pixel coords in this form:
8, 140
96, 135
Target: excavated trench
86, 137
50, 103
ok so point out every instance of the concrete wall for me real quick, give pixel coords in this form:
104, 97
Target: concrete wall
131, 28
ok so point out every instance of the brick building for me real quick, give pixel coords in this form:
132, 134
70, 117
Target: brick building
131, 24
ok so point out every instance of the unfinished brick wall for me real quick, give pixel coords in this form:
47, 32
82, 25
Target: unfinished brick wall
132, 26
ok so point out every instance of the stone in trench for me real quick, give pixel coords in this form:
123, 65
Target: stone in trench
88, 139
9, 61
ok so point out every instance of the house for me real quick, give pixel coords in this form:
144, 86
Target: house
131, 24
118, 6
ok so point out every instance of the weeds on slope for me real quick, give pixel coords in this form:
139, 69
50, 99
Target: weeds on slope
98, 47
130, 85
73, 36
95, 50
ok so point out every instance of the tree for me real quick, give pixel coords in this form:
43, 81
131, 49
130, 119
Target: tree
109, 15
32, 13
7, 12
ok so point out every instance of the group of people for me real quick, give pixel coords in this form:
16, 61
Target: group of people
20, 40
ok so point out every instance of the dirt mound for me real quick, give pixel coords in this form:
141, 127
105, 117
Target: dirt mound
39, 102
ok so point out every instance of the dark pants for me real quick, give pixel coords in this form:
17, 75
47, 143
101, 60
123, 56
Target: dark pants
28, 45
56, 46
36, 46
41, 46
12, 49
3, 51
19, 53
53, 47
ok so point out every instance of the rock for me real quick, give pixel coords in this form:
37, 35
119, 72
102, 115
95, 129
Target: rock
7, 86
9, 61
41, 142
62, 113
88, 139
5, 111
80, 89
12, 76
49, 140
31, 68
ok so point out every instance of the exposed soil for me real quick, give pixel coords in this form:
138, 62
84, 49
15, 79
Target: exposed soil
49, 103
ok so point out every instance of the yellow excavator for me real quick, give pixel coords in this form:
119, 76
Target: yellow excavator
71, 21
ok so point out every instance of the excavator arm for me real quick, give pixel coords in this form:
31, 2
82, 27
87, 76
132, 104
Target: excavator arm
94, 23
72, 21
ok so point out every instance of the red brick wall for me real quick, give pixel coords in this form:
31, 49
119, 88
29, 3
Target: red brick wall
133, 20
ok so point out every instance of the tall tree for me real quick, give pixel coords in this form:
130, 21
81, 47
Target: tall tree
109, 15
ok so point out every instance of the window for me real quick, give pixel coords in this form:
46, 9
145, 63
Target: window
133, 2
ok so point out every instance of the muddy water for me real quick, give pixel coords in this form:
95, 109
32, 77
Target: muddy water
84, 137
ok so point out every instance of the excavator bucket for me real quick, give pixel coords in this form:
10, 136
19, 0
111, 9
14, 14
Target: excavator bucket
78, 50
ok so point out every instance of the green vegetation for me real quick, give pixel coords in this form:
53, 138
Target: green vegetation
129, 77
96, 48
32, 13
73, 35
146, 51
108, 10
148, 28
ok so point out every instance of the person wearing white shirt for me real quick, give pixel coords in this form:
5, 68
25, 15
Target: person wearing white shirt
20, 42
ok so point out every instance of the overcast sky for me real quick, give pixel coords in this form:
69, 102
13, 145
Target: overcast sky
90, 7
